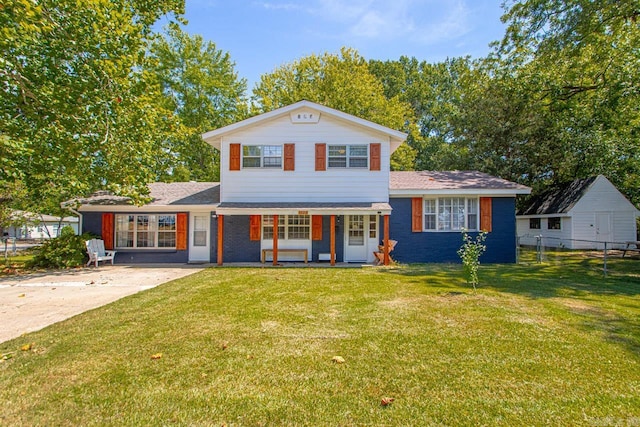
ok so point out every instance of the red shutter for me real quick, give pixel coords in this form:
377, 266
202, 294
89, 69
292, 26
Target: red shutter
234, 157
181, 231
107, 230
485, 214
289, 157
316, 227
374, 157
416, 214
321, 157
254, 227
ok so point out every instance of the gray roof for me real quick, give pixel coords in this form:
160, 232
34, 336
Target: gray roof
162, 194
451, 180
559, 200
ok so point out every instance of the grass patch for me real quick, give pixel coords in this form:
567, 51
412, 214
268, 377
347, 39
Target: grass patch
536, 345
14, 264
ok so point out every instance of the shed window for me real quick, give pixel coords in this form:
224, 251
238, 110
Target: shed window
554, 223
534, 223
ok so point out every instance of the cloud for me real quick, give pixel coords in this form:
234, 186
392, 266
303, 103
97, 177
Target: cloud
276, 5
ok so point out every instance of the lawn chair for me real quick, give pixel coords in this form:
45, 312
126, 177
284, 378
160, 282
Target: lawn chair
379, 256
96, 252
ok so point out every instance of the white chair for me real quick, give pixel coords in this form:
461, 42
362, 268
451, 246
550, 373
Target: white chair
96, 251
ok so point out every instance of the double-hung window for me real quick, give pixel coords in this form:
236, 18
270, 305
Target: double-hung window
261, 156
146, 231
348, 156
450, 214
291, 227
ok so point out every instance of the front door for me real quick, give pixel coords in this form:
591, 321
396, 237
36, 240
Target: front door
603, 227
199, 238
355, 245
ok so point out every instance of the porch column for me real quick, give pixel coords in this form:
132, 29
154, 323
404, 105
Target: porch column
275, 240
220, 237
386, 240
332, 233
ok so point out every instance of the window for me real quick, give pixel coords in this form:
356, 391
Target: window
261, 156
145, 231
534, 223
348, 156
373, 227
200, 230
554, 223
292, 227
451, 214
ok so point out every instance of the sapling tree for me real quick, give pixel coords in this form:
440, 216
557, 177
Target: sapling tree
470, 253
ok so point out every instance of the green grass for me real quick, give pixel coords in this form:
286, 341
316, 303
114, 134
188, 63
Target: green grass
551, 344
14, 264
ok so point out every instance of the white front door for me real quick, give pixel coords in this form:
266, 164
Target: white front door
199, 238
603, 227
355, 245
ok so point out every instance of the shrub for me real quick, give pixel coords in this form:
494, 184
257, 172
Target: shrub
64, 251
470, 252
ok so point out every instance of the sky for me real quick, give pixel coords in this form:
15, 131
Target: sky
261, 35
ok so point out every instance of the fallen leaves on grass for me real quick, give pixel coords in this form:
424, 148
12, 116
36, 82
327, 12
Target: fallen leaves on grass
27, 347
337, 359
386, 401
156, 356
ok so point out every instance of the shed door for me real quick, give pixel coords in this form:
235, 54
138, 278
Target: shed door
603, 227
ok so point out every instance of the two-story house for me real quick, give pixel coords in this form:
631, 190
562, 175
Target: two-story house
308, 183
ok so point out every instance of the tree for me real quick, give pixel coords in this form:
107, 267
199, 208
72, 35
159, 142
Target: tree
343, 82
76, 112
202, 90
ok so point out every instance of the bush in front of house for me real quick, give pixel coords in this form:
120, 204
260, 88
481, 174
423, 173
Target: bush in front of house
64, 251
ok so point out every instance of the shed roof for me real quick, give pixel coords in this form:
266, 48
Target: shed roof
558, 200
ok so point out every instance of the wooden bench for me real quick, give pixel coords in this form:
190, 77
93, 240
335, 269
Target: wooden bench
96, 252
304, 252
628, 248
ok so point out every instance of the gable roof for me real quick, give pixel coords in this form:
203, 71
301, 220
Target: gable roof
214, 137
559, 200
452, 182
161, 194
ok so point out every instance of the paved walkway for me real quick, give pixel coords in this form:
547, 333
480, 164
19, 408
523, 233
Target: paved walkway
31, 302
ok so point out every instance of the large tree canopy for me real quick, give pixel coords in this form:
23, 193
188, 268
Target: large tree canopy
202, 89
343, 82
76, 113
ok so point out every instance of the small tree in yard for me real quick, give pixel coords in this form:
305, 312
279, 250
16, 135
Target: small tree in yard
470, 253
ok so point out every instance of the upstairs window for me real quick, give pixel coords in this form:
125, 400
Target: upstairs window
348, 156
261, 156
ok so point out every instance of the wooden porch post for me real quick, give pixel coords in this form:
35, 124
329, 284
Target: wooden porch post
332, 233
220, 237
275, 240
386, 240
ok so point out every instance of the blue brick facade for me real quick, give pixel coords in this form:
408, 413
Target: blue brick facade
438, 247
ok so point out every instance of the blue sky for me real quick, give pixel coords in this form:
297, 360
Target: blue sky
261, 35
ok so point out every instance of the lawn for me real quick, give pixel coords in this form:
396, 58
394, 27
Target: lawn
551, 344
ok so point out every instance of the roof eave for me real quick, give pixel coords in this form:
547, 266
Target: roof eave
510, 192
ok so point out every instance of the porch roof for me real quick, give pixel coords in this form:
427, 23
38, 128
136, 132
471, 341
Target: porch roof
310, 208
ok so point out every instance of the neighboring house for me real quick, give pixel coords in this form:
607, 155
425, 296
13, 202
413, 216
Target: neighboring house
28, 225
307, 180
579, 215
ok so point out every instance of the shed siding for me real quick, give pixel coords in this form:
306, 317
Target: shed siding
428, 247
305, 183
550, 238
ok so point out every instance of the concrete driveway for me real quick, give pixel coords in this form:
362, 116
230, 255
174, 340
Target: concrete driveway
31, 302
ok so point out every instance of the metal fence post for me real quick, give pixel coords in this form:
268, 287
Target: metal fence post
605, 259
539, 249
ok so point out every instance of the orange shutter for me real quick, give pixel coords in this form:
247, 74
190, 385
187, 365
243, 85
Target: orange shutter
485, 214
416, 214
374, 154
316, 227
107, 230
321, 157
289, 157
181, 231
254, 227
234, 157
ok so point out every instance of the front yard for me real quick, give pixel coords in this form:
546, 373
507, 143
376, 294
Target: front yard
551, 344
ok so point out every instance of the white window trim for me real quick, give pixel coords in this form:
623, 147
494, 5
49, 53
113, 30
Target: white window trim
348, 156
539, 224
156, 231
283, 221
262, 156
553, 229
466, 214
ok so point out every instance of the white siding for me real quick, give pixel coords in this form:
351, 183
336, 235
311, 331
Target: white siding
550, 238
305, 184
